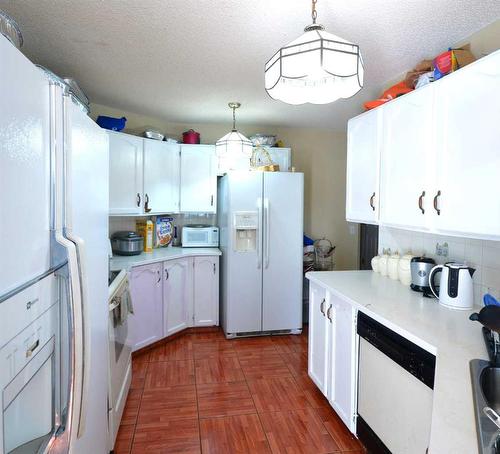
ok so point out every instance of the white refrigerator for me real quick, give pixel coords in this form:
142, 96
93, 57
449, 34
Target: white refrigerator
53, 273
260, 217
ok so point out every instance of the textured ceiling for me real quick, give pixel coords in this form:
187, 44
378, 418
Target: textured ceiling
184, 60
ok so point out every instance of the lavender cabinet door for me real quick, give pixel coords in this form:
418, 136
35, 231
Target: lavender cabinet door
146, 324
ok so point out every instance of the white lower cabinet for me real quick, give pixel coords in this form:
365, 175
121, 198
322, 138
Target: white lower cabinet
344, 363
177, 295
318, 337
332, 355
206, 291
171, 296
146, 323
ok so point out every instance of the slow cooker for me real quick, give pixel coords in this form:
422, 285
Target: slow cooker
127, 243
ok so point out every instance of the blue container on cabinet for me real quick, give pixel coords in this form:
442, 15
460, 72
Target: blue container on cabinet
114, 124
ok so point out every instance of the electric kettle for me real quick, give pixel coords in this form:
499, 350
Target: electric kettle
455, 285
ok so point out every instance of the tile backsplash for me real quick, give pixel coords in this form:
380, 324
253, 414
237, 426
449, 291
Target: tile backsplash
482, 255
117, 223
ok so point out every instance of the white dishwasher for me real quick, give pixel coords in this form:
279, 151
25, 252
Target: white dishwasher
395, 389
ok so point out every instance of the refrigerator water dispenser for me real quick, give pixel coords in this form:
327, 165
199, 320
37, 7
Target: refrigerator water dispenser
245, 230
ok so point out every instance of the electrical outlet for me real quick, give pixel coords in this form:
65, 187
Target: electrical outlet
445, 250
442, 250
439, 249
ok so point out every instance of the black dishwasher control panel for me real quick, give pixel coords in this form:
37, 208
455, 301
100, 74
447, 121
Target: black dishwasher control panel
419, 362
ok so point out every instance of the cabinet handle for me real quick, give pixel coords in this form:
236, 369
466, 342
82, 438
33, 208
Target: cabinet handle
328, 313
166, 277
159, 276
420, 202
31, 349
214, 268
322, 306
29, 304
436, 197
371, 201
146, 204
138, 199
212, 200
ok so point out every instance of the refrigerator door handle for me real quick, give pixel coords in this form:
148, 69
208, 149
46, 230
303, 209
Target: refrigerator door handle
85, 330
78, 337
259, 231
77, 268
266, 232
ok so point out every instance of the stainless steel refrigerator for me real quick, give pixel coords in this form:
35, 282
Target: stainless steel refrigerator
260, 217
53, 266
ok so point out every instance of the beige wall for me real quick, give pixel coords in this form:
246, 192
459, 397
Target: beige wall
319, 153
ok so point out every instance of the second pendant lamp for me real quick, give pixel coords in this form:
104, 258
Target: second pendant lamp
234, 149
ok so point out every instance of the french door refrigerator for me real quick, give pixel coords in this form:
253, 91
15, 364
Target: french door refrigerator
260, 217
53, 273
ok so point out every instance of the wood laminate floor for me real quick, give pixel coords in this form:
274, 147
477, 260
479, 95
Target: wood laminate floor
201, 393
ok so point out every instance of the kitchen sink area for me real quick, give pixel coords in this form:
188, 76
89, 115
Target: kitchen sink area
485, 377
490, 385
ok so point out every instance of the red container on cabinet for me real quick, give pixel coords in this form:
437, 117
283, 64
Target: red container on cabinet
191, 137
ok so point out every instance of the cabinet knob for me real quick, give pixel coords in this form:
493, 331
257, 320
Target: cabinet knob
371, 201
138, 199
436, 198
420, 202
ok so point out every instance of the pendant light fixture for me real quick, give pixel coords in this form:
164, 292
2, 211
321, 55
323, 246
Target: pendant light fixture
234, 145
317, 67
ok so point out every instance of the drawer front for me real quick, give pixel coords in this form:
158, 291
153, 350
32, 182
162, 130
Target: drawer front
24, 347
19, 311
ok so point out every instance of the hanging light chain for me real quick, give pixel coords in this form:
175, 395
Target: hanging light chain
234, 106
314, 13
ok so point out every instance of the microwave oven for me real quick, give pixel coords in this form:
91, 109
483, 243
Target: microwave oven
200, 236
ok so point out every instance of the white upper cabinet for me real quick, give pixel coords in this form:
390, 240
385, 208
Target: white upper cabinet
468, 141
363, 158
161, 177
177, 295
154, 177
125, 174
408, 160
439, 161
198, 179
206, 291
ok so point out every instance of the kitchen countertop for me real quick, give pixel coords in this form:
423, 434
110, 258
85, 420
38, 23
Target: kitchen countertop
120, 262
448, 334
